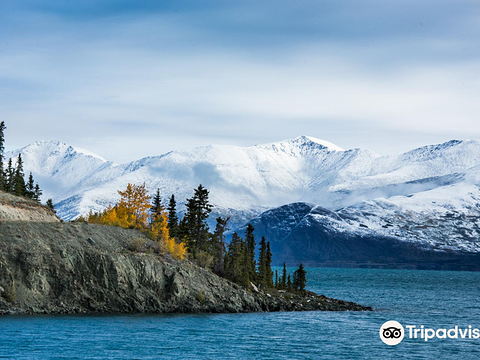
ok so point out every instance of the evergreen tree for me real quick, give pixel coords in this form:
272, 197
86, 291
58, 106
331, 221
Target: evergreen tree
50, 204
198, 209
219, 243
276, 280
245, 269
18, 187
30, 187
9, 175
37, 193
284, 277
190, 225
172, 217
182, 229
262, 263
250, 240
233, 260
269, 272
3, 177
289, 283
295, 282
157, 208
300, 279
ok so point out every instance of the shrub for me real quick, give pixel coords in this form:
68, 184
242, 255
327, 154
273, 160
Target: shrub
10, 293
201, 297
177, 250
204, 259
138, 245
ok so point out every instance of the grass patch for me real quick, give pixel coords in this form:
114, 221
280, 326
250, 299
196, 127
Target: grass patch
10, 293
201, 297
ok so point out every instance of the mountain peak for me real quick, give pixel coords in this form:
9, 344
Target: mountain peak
57, 147
304, 139
458, 148
301, 143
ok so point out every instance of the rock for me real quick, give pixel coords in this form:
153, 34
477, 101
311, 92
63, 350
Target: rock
254, 288
13, 208
50, 271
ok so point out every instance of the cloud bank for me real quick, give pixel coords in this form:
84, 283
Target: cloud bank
131, 79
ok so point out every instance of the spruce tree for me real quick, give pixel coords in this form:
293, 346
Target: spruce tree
190, 225
30, 187
9, 175
157, 207
295, 281
276, 284
269, 272
284, 277
300, 279
198, 209
289, 283
172, 217
3, 177
262, 263
37, 193
250, 240
18, 187
233, 270
219, 243
50, 204
245, 266
182, 230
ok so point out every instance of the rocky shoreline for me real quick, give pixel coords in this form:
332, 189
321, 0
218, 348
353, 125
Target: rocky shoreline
75, 268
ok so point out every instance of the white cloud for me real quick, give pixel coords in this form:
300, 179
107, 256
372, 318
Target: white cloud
159, 83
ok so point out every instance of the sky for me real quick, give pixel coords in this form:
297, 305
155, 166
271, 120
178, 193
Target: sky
128, 79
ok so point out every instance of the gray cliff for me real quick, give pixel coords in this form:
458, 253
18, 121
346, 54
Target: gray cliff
79, 268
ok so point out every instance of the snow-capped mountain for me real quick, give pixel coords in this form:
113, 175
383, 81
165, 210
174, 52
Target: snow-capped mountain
397, 233
245, 181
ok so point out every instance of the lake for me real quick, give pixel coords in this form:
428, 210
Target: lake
435, 299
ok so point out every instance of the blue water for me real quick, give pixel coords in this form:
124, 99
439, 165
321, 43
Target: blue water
435, 299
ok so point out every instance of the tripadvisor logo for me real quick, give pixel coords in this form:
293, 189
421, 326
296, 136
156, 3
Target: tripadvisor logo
392, 333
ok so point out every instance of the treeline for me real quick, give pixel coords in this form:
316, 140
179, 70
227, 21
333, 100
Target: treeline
12, 178
235, 261
285, 281
134, 211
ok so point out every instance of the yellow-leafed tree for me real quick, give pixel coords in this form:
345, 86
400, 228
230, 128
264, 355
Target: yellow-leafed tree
110, 217
159, 227
132, 210
178, 250
159, 230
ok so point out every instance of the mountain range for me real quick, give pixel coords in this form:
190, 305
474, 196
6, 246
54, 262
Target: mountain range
427, 198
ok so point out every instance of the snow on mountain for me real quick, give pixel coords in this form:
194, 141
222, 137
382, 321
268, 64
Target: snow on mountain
434, 228
446, 217
315, 236
245, 181
58, 167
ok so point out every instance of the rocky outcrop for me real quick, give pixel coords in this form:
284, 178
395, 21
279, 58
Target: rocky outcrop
13, 208
80, 268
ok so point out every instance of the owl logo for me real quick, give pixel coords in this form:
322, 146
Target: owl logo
392, 332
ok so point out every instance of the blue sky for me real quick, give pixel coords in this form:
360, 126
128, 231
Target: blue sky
164, 75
